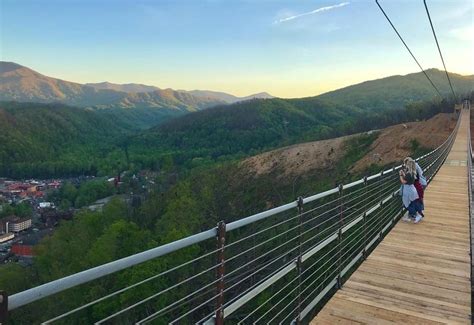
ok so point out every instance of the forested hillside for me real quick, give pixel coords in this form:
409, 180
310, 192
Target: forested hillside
250, 127
196, 202
46, 140
225, 191
202, 149
56, 140
397, 91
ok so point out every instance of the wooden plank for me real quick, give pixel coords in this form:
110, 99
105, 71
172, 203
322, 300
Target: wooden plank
410, 306
429, 291
428, 257
366, 314
419, 274
439, 254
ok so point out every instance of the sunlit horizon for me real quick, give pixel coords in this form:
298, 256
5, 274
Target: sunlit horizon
284, 48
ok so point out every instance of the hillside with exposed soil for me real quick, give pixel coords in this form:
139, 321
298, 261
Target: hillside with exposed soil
398, 141
391, 145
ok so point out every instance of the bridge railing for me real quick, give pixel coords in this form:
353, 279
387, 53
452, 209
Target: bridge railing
275, 266
470, 175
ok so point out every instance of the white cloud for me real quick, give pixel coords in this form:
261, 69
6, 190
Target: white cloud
282, 20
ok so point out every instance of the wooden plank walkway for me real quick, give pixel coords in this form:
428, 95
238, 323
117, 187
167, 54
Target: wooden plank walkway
420, 273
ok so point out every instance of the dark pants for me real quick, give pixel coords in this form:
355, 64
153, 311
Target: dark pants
414, 207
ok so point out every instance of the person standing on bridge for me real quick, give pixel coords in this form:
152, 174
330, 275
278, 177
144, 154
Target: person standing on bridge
410, 198
410, 166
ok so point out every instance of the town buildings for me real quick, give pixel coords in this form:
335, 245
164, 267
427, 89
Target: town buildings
16, 191
6, 237
14, 224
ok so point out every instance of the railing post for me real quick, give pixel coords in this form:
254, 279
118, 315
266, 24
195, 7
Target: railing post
364, 216
381, 192
381, 204
339, 236
220, 273
3, 307
299, 262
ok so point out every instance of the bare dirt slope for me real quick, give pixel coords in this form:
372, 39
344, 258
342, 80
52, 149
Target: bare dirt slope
392, 145
396, 142
299, 158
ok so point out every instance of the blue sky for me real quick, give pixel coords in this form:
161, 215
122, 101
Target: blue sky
240, 47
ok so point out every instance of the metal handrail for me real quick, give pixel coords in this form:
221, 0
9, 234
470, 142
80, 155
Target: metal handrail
56, 286
470, 175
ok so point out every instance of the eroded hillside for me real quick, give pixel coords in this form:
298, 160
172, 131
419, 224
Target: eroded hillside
398, 141
391, 145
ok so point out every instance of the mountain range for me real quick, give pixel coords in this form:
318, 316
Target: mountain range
44, 139
257, 125
396, 91
207, 94
21, 84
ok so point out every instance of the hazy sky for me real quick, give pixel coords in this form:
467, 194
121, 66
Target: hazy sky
285, 47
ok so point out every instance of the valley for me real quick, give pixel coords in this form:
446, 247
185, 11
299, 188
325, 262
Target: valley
236, 162
157, 174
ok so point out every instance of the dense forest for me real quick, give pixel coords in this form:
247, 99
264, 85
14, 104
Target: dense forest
397, 91
250, 127
203, 194
53, 140
198, 201
48, 140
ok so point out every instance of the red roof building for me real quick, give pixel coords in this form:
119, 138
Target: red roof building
22, 250
54, 184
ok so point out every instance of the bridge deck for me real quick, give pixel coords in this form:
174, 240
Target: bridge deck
420, 273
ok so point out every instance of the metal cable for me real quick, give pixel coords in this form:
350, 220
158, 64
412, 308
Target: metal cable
378, 223
130, 287
406, 46
261, 231
263, 243
391, 183
262, 268
306, 270
309, 286
263, 255
439, 49
281, 234
309, 277
164, 291
156, 314
184, 302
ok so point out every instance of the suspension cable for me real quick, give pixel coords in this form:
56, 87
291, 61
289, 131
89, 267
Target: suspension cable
406, 46
439, 49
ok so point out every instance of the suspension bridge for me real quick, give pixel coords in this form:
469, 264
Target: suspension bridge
334, 257
419, 274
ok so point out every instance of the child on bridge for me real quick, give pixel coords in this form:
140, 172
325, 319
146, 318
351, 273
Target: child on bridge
412, 167
410, 198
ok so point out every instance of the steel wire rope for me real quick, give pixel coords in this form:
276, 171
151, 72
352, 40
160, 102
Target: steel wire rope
131, 286
406, 46
304, 272
162, 292
439, 49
